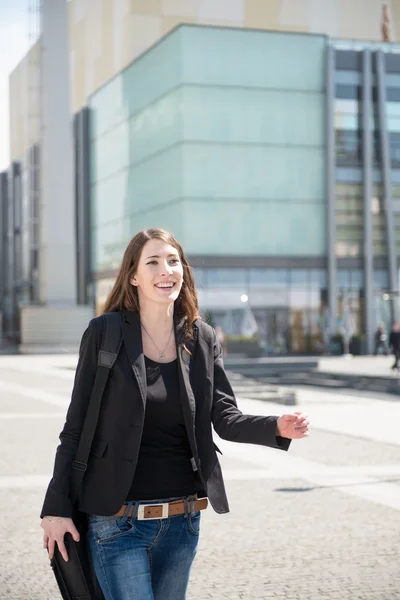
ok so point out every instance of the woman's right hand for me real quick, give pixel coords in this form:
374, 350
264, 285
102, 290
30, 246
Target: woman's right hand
54, 532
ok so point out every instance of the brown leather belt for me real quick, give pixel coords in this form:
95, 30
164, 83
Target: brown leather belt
162, 510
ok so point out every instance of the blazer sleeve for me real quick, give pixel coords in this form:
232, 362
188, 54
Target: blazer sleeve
57, 499
230, 423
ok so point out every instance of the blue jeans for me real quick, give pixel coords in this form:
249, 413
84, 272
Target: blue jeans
144, 559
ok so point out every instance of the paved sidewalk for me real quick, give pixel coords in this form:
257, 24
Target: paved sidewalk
321, 522
378, 366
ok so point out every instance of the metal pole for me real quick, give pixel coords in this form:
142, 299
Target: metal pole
367, 174
386, 174
331, 208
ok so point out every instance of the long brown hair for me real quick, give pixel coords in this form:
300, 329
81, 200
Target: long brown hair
124, 295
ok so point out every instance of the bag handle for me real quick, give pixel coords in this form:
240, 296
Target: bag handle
109, 350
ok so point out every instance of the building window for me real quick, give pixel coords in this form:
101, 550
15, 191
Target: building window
284, 308
349, 220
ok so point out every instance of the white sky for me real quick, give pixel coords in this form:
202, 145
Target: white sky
14, 44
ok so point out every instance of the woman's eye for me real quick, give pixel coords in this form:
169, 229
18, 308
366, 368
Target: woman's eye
174, 260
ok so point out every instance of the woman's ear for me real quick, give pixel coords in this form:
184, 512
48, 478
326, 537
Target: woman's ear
133, 281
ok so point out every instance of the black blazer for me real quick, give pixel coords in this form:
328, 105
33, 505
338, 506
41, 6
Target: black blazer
207, 399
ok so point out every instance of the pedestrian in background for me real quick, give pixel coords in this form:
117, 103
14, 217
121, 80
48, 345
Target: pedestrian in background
380, 339
394, 343
153, 461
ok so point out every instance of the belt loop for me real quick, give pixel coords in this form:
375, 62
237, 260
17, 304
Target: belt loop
135, 510
185, 502
192, 511
125, 516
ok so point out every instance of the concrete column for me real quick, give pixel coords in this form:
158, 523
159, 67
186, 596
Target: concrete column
57, 258
367, 181
58, 323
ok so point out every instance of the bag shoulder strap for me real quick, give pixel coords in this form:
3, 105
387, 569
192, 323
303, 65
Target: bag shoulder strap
109, 350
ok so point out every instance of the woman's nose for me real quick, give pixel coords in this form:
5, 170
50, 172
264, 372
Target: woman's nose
167, 269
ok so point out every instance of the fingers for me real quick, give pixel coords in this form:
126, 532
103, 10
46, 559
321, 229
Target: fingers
50, 548
45, 540
74, 532
62, 549
302, 425
50, 544
297, 417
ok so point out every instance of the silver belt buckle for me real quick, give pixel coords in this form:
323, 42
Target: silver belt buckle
165, 511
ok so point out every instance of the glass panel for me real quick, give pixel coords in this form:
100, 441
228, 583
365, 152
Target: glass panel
356, 279
274, 234
299, 277
270, 308
238, 57
393, 124
156, 127
349, 233
224, 277
347, 249
200, 277
350, 312
110, 152
252, 116
381, 279
347, 122
318, 277
348, 147
319, 314
108, 245
394, 141
348, 107
109, 200
156, 183
268, 277
348, 218
393, 109
343, 278
347, 91
236, 171
393, 95
299, 319
379, 249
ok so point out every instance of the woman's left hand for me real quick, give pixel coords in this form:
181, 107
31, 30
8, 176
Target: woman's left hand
293, 426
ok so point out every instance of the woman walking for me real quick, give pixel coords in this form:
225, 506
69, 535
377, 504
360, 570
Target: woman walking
153, 462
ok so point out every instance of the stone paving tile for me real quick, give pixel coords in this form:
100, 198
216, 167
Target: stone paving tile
284, 538
11, 402
50, 383
311, 545
303, 546
30, 445
337, 449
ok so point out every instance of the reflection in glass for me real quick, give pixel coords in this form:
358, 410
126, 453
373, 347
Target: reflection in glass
286, 309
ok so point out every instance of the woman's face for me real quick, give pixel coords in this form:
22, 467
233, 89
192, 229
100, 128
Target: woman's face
159, 275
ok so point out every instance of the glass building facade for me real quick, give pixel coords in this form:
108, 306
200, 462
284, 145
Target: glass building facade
273, 157
218, 135
364, 107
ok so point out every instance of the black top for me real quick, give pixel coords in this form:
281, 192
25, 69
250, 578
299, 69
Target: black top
164, 468
394, 340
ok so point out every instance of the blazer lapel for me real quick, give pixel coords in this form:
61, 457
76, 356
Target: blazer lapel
185, 352
132, 336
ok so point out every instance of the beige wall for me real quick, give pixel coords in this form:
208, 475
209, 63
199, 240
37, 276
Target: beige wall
106, 35
24, 103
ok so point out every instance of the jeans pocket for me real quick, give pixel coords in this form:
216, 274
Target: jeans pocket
105, 529
193, 523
